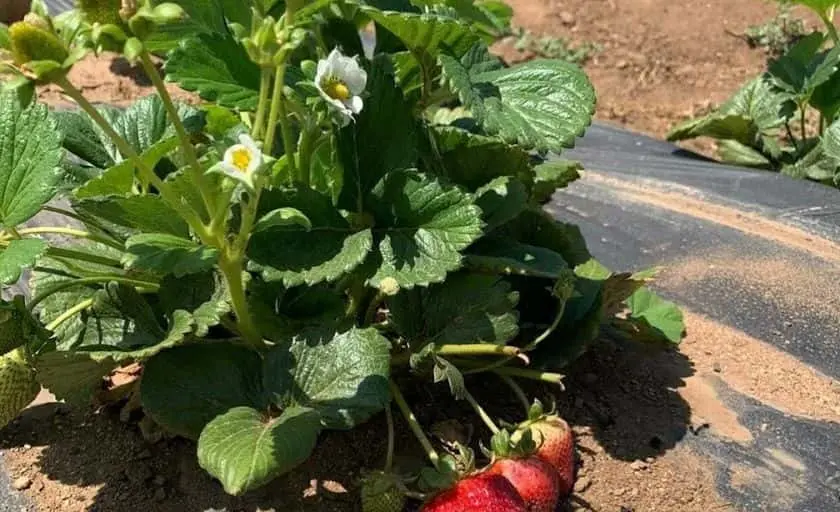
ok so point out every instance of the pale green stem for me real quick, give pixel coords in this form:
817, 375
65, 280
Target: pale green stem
481, 349
67, 315
307, 138
89, 280
409, 416
262, 106
186, 144
481, 412
70, 232
828, 19
232, 269
551, 378
60, 252
128, 152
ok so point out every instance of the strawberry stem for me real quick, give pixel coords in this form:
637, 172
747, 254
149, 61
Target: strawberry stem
389, 456
481, 412
416, 429
517, 390
525, 373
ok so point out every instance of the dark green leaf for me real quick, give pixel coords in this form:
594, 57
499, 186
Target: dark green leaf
204, 295
186, 387
804, 68
146, 213
553, 175
474, 160
282, 217
245, 449
167, 254
501, 200
425, 35
29, 167
19, 255
537, 228
508, 257
82, 139
314, 313
424, 226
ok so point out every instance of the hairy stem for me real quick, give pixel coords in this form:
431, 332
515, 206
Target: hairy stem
232, 269
71, 232
128, 152
84, 281
70, 313
409, 416
262, 106
481, 412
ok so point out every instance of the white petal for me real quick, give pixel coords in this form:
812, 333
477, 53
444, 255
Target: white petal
233, 173
356, 104
321, 72
356, 79
337, 104
228, 160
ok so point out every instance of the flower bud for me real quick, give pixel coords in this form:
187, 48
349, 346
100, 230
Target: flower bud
32, 43
106, 12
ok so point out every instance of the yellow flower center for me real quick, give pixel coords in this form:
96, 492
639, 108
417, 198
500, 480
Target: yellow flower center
336, 89
241, 159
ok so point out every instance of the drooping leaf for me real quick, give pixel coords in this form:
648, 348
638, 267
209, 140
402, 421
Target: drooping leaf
383, 138
474, 160
537, 228
465, 309
71, 376
203, 295
167, 254
542, 104
422, 227
29, 166
654, 319
501, 200
553, 175
245, 449
508, 257
344, 379
296, 254
146, 213
733, 152
218, 69
826, 97
186, 387
19, 255
314, 313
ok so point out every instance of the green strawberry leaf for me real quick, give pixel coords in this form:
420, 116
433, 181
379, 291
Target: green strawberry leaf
29, 168
181, 326
537, 228
821, 7
653, 319
422, 227
186, 387
203, 295
71, 376
298, 254
245, 449
383, 138
426, 35
314, 313
344, 379
508, 257
542, 104
82, 139
145, 213
20, 255
474, 160
732, 151
167, 254
282, 217
218, 68
553, 175
501, 200
804, 67
466, 308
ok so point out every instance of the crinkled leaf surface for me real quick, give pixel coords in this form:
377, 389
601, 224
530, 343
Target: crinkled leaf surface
19, 255
314, 313
509, 257
474, 160
30, 152
542, 104
804, 67
501, 200
245, 449
344, 379
422, 226
426, 34
167, 254
203, 295
186, 387
466, 308
145, 213
297, 254
70, 376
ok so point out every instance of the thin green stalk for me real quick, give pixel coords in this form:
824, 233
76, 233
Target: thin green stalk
128, 152
517, 390
70, 313
525, 373
278, 114
828, 19
186, 144
86, 281
480, 349
232, 271
307, 138
60, 252
262, 106
71, 232
415, 426
389, 455
802, 126
481, 412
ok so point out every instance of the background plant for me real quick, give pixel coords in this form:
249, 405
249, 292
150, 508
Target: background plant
786, 119
330, 219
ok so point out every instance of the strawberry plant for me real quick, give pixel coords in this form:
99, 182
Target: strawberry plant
786, 119
326, 219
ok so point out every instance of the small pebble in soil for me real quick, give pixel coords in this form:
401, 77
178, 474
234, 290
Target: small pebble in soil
717, 368
22, 483
639, 465
582, 484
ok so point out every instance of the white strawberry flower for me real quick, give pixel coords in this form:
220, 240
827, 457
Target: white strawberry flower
241, 161
341, 81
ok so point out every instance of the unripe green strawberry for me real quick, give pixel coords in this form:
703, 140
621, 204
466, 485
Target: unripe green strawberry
18, 386
381, 493
31, 42
106, 12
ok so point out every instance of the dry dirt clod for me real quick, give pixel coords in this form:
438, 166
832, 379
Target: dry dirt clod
639, 465
582, 484
22, 483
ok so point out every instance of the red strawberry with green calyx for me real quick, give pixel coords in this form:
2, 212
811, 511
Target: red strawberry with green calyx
483, 492
536, 481
555, 444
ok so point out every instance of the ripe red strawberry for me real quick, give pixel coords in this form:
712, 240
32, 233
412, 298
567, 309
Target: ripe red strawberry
480, 493
556, 444
536, 481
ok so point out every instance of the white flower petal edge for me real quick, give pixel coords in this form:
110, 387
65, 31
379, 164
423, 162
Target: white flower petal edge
341, 81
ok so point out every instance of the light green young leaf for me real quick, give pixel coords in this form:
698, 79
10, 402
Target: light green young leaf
29, 168
553, 175
542, 104
422, 227
167, 254
218, 69
821, 7
186, 387
465, 309
5, 42
501, 200
20, 255
655, 318
509, 257
245, 449
344, 379
295, 254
